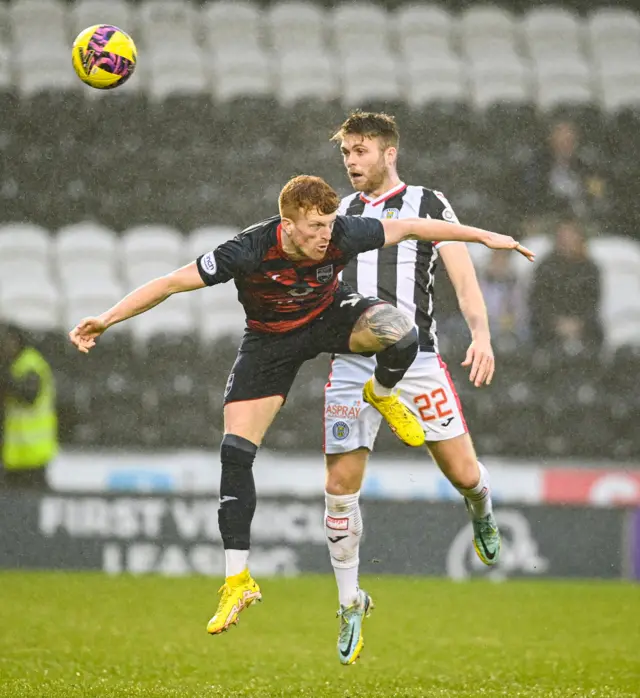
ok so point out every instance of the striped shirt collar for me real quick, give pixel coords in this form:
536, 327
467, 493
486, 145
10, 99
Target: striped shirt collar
383, 197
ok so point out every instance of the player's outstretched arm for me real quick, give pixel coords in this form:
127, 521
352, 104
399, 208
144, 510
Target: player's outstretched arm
149, 295
433, 230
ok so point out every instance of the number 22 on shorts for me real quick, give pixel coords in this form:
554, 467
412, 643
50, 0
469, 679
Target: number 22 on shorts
437, 400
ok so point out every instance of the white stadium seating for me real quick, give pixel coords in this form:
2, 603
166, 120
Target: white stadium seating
239, 72
495, 80
153, 243
304, 74
232, 23
487, 22
294, 50
119, 13
369, 76
552, 31
203, 240
296, 25
30, 301
438, 80
354, 25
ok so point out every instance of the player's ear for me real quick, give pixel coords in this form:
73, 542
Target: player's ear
391, 155
287, 223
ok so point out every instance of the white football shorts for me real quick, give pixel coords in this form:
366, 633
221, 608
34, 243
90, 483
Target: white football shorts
427, 389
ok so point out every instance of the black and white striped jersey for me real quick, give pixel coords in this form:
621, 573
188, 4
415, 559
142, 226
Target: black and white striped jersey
402, 275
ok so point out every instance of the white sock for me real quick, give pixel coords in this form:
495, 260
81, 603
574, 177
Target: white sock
479, 497
343, 528
236, 561
380, 389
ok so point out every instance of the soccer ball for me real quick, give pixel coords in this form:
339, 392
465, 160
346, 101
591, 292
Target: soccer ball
104, 56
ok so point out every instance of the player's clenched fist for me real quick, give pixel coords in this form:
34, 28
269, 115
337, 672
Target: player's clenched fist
84, 334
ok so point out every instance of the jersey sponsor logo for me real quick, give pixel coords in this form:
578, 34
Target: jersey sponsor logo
324, 274
337, 524
340, 430
208, 263
344, 411
229, 385
392, 213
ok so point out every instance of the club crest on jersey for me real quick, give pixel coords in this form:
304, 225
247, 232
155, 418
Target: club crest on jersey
324, 274
392, 213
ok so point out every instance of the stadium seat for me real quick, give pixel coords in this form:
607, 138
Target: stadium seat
38, 19
231, 23
439, 80
486, 49
486, 22
618, 83
219, 314
150, 244
305, 75
32, 305
203, 240
24, 243
180, 71
5, 23
173, 317
138, 271
84, 297
241, 73
624, 331
415, 48
422, 23
164, 19
6, 77
620, 306
352, 24
369, 78
44, 67
496, 81
562, 83
296, 25
86, 243
552, 31
613, 28
616, 253
86, 13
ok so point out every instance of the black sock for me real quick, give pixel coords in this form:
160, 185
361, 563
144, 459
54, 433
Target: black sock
237, 492
394, 361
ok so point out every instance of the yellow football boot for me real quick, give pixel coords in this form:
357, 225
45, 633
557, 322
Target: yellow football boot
237, 593
402, 422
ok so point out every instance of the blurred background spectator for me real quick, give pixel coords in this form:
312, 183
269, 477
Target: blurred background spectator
506, 302
28, 424
565, 295
562, 177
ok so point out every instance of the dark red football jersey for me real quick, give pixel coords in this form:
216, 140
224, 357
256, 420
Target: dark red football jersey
279, 294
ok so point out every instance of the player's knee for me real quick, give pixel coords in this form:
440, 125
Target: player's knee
403, 352
463, 473
345, 472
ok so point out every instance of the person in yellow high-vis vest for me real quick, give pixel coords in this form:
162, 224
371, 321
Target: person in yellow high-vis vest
28, 424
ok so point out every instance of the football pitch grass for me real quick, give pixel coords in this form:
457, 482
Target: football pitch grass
64, 634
